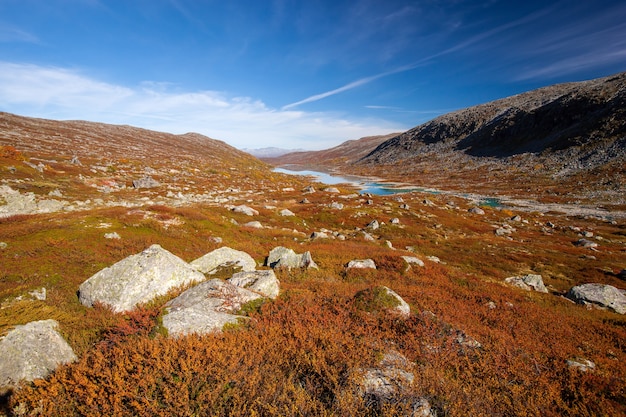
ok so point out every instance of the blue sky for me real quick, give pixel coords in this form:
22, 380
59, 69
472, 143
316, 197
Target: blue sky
293, 74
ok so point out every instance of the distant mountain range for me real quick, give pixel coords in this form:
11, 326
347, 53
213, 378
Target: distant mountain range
562, 139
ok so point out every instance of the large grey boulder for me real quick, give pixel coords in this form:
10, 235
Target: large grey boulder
32, 351
282, 257
137, 279
528, 282
264, 282
206, 308
222, 258
605, 296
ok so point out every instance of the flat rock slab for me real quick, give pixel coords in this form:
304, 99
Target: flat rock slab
223, 257
138, 279
263, 282
32, 351
605, 296
206, 308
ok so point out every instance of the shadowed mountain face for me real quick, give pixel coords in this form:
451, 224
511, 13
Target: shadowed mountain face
589, 116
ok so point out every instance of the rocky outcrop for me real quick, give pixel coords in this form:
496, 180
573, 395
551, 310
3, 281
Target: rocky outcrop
32, 351
601, 295
528, 282
137, 279
206, 308
210, 305
224, 257
282, 257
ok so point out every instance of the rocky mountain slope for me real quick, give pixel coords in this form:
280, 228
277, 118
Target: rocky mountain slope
564, 143
346, 153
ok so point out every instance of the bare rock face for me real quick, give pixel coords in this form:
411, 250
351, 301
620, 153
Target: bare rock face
528, 282
281, 257
32, 351
263, 282
137, 279
206, 308
605, 296
223, 257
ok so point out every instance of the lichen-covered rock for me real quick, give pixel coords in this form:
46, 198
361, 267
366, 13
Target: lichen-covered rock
282, 257
381, 298
286, 213
605, 296
137, 279
263, 282
362, 263
223, 257
206, 308
528, 282
32, 351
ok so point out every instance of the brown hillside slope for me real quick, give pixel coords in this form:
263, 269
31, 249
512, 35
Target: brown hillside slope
348, 152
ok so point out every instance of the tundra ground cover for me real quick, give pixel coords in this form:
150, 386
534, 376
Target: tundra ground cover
300, 354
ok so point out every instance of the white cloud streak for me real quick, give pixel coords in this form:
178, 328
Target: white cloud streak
61, 94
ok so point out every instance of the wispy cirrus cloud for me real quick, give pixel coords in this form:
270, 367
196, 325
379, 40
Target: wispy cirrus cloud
10, 33
476, 39
61, 93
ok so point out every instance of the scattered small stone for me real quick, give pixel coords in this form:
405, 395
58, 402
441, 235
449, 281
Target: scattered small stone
146, 182
550, 225
516, 219
434, 259
374, 225
319, 235
395, 220
427, 202
3, 245
331, 190
583, 365
337, 206
305, 201
281, 257
476, 210
254, 224
113, 235
412, 260
286, 213
367, 236
389, 244
75, 160
55, 193
491, 305
362, 263
309, 190
288, 189
466, 341
585, 243
248, 211
404, 206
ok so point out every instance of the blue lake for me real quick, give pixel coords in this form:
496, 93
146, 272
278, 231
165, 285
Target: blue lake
370, 186
366, 185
